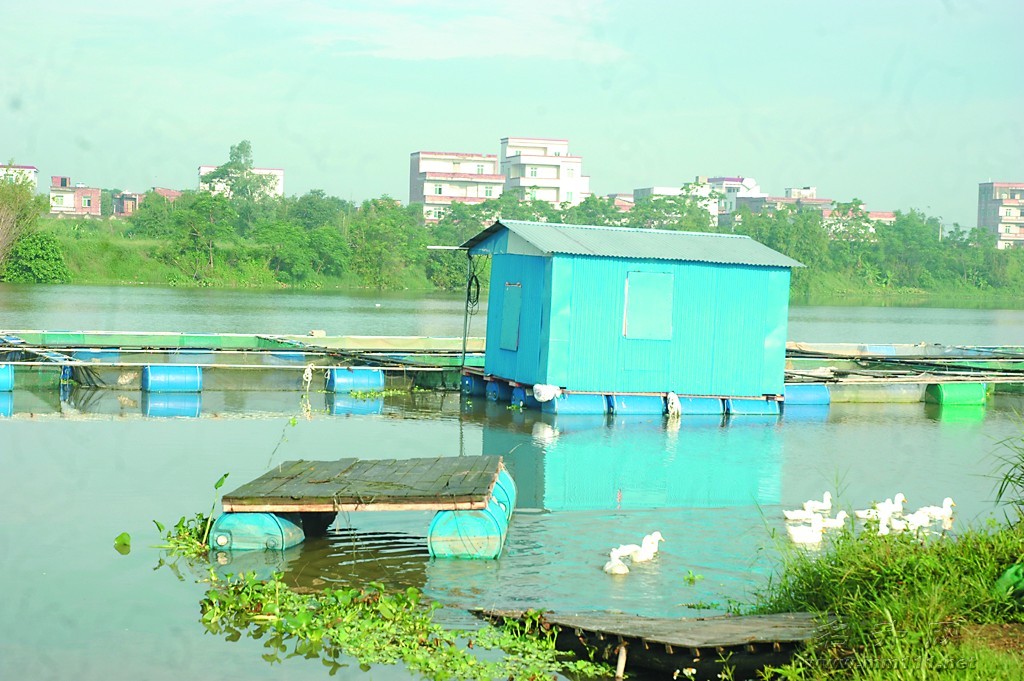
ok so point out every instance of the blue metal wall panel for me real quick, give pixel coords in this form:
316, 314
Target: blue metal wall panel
728, 329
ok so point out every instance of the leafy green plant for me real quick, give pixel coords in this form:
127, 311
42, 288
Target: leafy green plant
189, 536
376, 626
123, 543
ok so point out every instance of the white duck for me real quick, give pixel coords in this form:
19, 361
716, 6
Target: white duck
819, 506
647, 549
938, 512
884, 517
615, 566
835, 523
909, 523
807, 534
798, 514
892, 506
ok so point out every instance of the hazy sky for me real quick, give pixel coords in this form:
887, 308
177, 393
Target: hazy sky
903, 104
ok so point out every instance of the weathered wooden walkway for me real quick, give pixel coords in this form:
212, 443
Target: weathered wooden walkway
704, 644
453, 483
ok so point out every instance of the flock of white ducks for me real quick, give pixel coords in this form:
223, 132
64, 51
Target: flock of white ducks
636, 553
888, 514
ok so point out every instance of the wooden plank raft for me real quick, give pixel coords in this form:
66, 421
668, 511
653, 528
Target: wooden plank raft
705, 644
453, 483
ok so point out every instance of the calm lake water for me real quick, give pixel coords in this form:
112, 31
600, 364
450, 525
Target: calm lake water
71, 483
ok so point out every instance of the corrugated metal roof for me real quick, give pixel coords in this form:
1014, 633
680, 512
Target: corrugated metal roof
658, 244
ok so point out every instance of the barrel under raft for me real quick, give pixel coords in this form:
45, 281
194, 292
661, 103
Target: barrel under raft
478, 534
505, 492
256, 531
172, 378
344, 380
6, 377
956, 394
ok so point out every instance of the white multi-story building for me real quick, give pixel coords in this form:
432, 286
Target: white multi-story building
543, 170
21, 173
277, 189
439, 178
731, 188
700, 189
1001, 210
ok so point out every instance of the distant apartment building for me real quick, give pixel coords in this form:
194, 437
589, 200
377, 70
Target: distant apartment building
126, 203
1001, 210
835, 222
276, 189
732, 188
13, 173
73, 200
622, 201
802, 197
539, 169
438, 179
701, 188
169, 194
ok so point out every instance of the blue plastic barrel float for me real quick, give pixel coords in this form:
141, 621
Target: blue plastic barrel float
6, 377
478, 534
172, 378
255, 531
345, 380
473, 385
741, 407
642, 405
498, 391
505, 492
521, 397
576, 403
169, 405
6, 404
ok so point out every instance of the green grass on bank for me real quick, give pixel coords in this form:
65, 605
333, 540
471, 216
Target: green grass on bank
905, 607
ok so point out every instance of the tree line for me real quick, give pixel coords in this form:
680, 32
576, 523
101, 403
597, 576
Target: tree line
243, 235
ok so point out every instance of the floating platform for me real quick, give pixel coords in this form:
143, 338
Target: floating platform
705, 644
473, 496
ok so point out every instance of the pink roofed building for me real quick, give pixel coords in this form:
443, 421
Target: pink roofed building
73, 200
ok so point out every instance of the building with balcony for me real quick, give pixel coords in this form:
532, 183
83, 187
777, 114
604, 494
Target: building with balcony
732, 188
539, 169
1001, 210
13, 173
438, 179
220, 187
73, 200
700, 188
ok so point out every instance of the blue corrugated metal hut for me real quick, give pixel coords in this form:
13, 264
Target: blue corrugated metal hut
616, 310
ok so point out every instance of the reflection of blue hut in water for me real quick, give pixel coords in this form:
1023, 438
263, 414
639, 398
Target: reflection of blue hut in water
612, 310
588, 463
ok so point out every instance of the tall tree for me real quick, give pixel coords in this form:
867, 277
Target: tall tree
236, 176
200, 220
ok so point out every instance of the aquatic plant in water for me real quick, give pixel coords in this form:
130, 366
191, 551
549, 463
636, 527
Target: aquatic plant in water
371, 625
